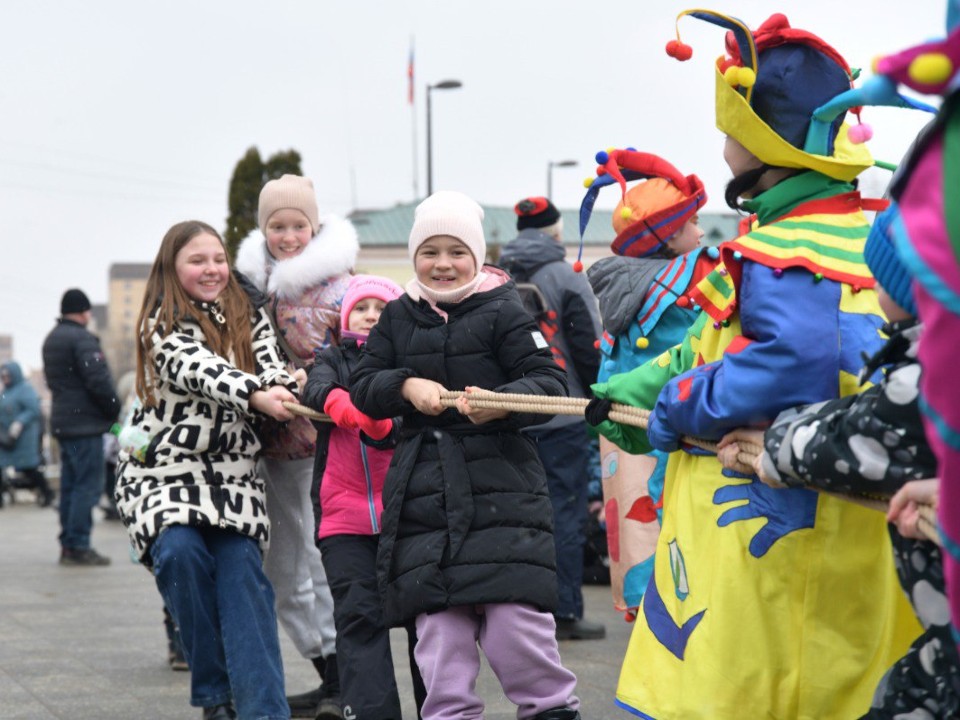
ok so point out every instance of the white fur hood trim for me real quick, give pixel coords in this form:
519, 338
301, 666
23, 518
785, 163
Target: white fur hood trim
332, 252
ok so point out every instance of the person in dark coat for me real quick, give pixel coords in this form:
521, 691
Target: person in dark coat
466, 545
20, 417
85, 405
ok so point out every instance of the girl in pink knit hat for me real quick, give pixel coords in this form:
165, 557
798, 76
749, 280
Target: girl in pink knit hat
353, 454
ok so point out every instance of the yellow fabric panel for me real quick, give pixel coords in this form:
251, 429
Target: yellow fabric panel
737, 119
803, 632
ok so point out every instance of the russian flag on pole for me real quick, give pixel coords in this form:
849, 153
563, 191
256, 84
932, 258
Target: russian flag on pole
410, 75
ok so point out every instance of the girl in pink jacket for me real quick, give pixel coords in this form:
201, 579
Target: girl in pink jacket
353, 455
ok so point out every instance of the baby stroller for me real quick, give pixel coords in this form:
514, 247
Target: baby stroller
32, 479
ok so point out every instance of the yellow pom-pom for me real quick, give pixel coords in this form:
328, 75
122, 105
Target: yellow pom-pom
732, 75
587, 182
626, 213
643, 343
746, 77
610, 150
875, 64
930, 68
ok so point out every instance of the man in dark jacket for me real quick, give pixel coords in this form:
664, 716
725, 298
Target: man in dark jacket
570, 321
85, 404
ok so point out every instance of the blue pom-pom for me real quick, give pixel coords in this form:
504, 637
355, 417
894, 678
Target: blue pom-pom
696, 308
737, 255
610, 365
602, 157
631, 149
713, 253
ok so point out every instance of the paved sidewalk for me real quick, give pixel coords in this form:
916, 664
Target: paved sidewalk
89, 644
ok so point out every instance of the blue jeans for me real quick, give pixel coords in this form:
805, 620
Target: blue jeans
212, 582
565, 454
81, 483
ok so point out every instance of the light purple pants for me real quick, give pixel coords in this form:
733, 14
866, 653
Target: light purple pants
520, 644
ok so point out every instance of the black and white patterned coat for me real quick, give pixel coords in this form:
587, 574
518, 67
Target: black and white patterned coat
198, 467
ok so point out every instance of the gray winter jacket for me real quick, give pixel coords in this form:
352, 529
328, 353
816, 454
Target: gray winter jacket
537, 258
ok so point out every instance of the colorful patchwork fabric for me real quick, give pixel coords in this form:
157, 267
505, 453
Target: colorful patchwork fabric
739, 564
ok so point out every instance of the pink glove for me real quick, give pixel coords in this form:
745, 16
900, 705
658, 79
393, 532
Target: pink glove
341, 410
377, 429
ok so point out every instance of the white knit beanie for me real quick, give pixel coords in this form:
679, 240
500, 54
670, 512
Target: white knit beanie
289, 191
447, 212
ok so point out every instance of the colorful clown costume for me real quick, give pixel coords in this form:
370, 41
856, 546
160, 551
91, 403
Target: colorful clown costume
763, 603
638, 289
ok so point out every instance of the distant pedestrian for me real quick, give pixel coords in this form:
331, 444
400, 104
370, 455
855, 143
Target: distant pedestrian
85, 405
537, 256
207, 367
21, 419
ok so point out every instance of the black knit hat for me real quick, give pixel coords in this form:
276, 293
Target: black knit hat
74, 300
535, 212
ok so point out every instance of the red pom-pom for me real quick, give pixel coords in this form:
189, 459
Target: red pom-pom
577, 266
596, 344
683, 301
683, 52
672, 48
552, 314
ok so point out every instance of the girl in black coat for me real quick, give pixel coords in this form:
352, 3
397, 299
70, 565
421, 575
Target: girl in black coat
466, 545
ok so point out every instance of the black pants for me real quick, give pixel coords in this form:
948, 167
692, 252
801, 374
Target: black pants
565, 454
368, 688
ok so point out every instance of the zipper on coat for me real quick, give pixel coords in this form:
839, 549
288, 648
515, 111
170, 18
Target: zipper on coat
370, 502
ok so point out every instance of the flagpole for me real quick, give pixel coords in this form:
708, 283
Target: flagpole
413, 120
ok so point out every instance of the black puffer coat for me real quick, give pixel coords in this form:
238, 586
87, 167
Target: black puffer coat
85, 401
467, 518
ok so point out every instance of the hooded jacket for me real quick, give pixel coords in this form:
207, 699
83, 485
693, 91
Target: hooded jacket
638, 300
467, 518
537, 258
20, 403
304, 301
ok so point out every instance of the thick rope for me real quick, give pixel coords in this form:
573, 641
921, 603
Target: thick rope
636, 417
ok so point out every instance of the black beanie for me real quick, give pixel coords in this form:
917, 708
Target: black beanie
535, 212
74, 300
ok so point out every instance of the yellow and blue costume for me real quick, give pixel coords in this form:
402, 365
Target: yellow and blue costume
764, 603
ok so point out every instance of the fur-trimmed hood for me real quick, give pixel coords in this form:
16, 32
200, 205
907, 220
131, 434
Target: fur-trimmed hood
333, 251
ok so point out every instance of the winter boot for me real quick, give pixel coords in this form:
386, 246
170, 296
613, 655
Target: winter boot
558, 714
220, 712
305, 704
329, 707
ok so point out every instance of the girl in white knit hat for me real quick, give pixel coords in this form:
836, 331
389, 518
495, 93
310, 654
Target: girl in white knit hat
466, 546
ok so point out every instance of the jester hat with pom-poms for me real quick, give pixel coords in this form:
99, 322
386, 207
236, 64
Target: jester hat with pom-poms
672, 200
768, 86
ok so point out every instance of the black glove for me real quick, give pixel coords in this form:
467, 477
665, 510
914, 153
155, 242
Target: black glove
597, 411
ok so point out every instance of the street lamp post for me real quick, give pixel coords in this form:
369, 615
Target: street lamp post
550, 166
443, 85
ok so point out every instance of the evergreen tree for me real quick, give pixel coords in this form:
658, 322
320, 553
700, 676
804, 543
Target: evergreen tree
249, 177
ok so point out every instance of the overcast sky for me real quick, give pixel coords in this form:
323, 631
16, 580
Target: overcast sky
119, 118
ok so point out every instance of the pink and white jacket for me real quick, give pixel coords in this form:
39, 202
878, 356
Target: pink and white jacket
305, 294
